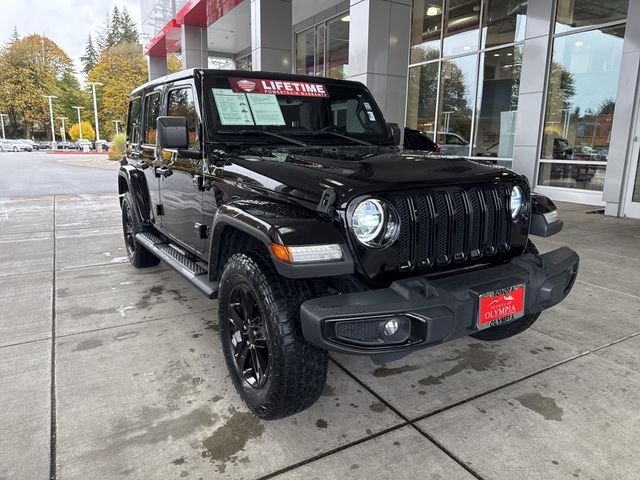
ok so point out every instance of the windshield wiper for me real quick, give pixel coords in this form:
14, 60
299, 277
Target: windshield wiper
330, 130
262, 132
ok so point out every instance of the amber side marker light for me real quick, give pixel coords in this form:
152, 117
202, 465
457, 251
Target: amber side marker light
307, 253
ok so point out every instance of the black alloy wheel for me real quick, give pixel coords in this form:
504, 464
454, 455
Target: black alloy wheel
138, 255
274, 369
127, 227
247, 337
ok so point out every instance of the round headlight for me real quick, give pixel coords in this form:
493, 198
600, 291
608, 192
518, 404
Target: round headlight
375, 223
517, 201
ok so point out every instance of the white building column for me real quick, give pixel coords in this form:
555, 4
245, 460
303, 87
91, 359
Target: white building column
379, 36
157, 67
271, 35
194, 46
537, 45
620, 159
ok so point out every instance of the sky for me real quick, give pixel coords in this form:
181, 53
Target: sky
66, 22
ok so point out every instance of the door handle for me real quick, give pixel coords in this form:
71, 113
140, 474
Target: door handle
163, 172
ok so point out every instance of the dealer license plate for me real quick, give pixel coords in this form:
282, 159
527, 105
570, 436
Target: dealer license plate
500, 306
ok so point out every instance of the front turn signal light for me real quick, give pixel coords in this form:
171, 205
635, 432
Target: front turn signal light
307, 253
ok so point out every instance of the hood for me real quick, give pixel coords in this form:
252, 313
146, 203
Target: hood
351, 172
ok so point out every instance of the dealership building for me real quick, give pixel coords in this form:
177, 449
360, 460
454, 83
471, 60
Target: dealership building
546, 87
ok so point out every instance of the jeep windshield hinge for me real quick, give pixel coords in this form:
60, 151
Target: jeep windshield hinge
326, 206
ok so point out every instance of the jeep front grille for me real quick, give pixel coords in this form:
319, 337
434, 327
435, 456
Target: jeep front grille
453, 225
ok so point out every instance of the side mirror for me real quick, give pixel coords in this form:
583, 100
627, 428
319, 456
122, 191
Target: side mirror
172, 132
395, 131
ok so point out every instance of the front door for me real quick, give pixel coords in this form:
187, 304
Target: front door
181, 180
148, 151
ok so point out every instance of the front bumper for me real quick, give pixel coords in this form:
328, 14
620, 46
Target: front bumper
439, 310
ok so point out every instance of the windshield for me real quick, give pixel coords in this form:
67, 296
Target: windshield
318, 112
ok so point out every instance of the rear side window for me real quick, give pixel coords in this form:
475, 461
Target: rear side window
133, 121
151, 113
181, 104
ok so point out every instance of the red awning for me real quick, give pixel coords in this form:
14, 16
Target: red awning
202, 13
167, 40
198, 13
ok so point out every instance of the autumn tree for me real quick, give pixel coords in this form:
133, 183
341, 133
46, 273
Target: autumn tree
174, 64
121, 68
30, 68
88, 133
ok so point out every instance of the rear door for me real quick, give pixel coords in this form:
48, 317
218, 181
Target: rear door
181, 184
148, 151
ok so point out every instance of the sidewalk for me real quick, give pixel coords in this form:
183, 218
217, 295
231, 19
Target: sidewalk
110, 372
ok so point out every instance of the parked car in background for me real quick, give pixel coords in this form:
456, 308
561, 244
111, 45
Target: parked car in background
80, 144
44, 145
452, 144
34, 145
5, 145
20, 146
67, 146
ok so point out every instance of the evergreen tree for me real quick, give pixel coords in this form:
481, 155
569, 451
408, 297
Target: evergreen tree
14, 36
90, 57
115, 28
102, 39
129, 30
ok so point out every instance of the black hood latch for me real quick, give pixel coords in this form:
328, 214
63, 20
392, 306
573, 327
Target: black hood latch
326, 206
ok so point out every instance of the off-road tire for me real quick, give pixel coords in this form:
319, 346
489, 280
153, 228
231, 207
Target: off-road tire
297, 369
138, 255
514, 328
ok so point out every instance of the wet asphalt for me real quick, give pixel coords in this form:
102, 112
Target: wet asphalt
31, 174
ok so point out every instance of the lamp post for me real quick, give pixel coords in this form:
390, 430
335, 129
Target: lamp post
95, 107
64, 133
117, 122
79, 120
2, 115
53, 127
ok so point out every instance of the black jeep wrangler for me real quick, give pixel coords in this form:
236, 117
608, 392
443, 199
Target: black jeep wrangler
286, 198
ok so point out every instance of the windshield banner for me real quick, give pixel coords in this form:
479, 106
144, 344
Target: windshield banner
278, 87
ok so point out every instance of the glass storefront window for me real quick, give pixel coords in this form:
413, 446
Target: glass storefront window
305, 52
583, 13
444, 93
572, 175
338, 48
323, 50
581, 95
504, 22
461, 27
497, 102
457, 85
426, 29
243, 63
422, 94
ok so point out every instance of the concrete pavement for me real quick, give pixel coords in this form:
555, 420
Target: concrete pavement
111, 372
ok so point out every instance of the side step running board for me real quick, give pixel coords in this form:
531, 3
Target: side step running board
186, 267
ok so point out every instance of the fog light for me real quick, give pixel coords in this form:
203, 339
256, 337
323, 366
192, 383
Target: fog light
391, 327
394, 330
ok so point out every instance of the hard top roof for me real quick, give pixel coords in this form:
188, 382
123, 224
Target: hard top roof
192, 72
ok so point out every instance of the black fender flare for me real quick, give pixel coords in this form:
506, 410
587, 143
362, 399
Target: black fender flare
543, 221
259, 220
136, 183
